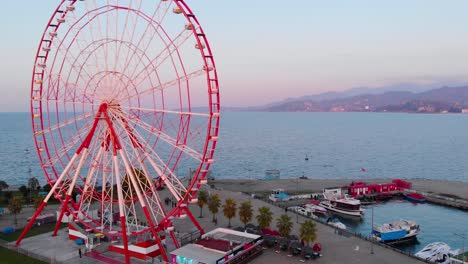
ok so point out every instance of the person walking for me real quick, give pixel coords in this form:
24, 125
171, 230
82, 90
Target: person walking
79, 252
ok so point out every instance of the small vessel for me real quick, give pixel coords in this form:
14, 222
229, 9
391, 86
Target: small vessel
315, 208
302, 211
279, 195
437, 252
396, 232
333, 221
306, 158
415, 197
339, 202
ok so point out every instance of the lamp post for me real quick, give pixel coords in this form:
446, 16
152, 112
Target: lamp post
372, 228
463, 236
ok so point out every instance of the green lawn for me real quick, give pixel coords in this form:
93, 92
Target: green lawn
34, 231
460, 256
8, 257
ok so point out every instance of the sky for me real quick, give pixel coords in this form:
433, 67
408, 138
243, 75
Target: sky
270, 50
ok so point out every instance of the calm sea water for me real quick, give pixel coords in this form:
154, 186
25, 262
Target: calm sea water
338, 145
437, 223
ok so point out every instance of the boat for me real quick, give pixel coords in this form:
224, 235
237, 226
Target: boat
415, 197
333, 221
302, 211
339, 202
315, 208
396, 232
279, 195
437, 252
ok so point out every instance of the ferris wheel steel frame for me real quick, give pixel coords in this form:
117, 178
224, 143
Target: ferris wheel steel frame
112, 114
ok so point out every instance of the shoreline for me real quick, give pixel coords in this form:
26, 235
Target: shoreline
295, 185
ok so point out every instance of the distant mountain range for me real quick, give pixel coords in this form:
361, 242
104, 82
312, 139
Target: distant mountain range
419, 100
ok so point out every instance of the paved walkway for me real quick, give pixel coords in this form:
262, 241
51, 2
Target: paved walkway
336, 248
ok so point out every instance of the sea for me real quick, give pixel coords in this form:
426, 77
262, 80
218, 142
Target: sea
337, 145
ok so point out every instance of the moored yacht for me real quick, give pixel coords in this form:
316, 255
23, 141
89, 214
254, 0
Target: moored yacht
338, 202
437, 252
396, 232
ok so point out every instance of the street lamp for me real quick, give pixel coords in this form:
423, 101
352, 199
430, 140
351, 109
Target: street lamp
463, 236
372, 229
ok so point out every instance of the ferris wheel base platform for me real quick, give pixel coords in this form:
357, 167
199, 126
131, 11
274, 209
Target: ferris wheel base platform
141, 250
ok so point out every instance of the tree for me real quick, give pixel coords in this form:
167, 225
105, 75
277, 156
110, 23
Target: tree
308, 231
202, 200
264, 217
33, 183
245, 212
229, 209
213, 204
38, 201
15, 206
24, 190
46, 187
3, 185
284, 225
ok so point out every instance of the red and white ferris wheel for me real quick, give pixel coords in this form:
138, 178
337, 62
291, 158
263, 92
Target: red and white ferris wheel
124, 100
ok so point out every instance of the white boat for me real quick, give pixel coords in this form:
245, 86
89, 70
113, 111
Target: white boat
315, 209
437, 252
339, 202
396, 232
333, 221
302, 211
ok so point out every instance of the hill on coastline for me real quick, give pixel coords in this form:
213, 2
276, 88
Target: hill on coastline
441, 100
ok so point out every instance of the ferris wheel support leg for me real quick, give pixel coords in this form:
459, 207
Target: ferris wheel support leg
143, 204
31, 222
174, 238
44, 202
59, 220
125, 239
69, 191
194, 221
121, 208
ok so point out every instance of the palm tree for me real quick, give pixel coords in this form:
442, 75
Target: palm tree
308, 231
264, 217
213, 204
33, 183
245, 212
229, 209
284, 225
3, 185
15, 206
202, 200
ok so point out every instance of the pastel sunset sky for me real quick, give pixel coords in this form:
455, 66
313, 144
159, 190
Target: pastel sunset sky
270, 50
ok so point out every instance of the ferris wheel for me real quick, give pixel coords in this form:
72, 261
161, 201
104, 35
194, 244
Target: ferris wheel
124, 102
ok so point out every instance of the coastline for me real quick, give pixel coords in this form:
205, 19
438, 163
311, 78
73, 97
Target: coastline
456, 189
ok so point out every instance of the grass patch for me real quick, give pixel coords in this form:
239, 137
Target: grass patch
9, 256
34, 231
460, 256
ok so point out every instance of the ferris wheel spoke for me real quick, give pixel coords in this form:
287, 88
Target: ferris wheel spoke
163, 7
168, 139
165, 111
72, 142
174, 184
65, 123
166, 53
166, 85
